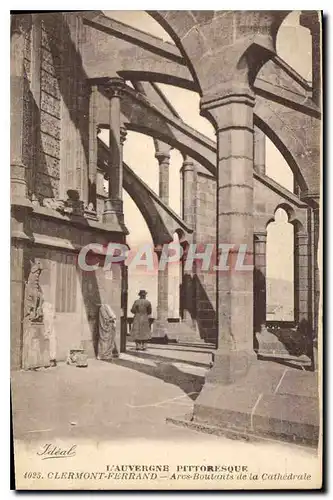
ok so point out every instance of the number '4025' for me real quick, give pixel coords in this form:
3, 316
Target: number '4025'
32, 475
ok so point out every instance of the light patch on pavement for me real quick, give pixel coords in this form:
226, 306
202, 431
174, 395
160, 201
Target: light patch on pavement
193, 370
165, 401
144, 361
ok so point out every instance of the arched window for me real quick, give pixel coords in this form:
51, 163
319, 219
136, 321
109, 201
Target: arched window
141, 20
292, 34
139, 235
280, 268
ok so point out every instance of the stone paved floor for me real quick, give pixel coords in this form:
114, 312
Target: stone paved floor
130, 398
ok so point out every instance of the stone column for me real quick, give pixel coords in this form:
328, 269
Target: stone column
316, 274
301, 252
189, 173
313, 201
82, 161
123, 135
35, 87
160, 327
163, 157
163, 161
309, 19
19, 27
189, 176
124, 307
302, 292
232, 114
161, 324
20, 204
113, 208
93, 147
259, 151
260, 240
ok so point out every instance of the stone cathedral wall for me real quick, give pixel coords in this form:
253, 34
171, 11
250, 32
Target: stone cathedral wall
205, 282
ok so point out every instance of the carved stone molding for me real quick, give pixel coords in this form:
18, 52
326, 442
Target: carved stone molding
115, 86
20, 24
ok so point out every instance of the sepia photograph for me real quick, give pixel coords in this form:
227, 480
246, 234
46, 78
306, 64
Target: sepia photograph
166, 250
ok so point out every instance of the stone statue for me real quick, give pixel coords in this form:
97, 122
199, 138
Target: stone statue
33, 299
36, 350
73, 205
107, 349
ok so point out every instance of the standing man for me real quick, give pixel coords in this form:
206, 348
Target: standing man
141, 329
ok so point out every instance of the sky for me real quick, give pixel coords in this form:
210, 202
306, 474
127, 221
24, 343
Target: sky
294, 46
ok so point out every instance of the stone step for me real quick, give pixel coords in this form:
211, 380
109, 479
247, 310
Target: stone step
183, 333
269, 401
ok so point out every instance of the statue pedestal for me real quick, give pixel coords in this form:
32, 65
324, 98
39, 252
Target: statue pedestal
36, 352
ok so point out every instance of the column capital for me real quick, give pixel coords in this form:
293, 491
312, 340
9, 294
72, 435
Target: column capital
163, 157
113, 206
115, 86
240, 97
312, 199
188, 164
162, 150
260, 236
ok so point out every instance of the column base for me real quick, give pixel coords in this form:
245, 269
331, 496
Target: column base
18, 183
182, 332
230, 366
160, 332
113, 218
113, 211
271, 401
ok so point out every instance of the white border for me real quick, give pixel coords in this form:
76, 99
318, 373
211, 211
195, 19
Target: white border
4, 185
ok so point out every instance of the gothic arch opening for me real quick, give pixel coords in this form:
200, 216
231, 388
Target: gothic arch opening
136, 146
139, 277
187, 105
280, 268
140, 20
292, 34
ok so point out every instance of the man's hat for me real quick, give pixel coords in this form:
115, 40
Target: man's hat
142, 292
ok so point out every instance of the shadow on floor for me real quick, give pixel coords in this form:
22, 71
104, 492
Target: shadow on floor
189, 383
188, 345
289, 363
159, 357
184, 348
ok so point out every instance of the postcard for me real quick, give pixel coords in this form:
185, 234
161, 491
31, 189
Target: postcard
166, 250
